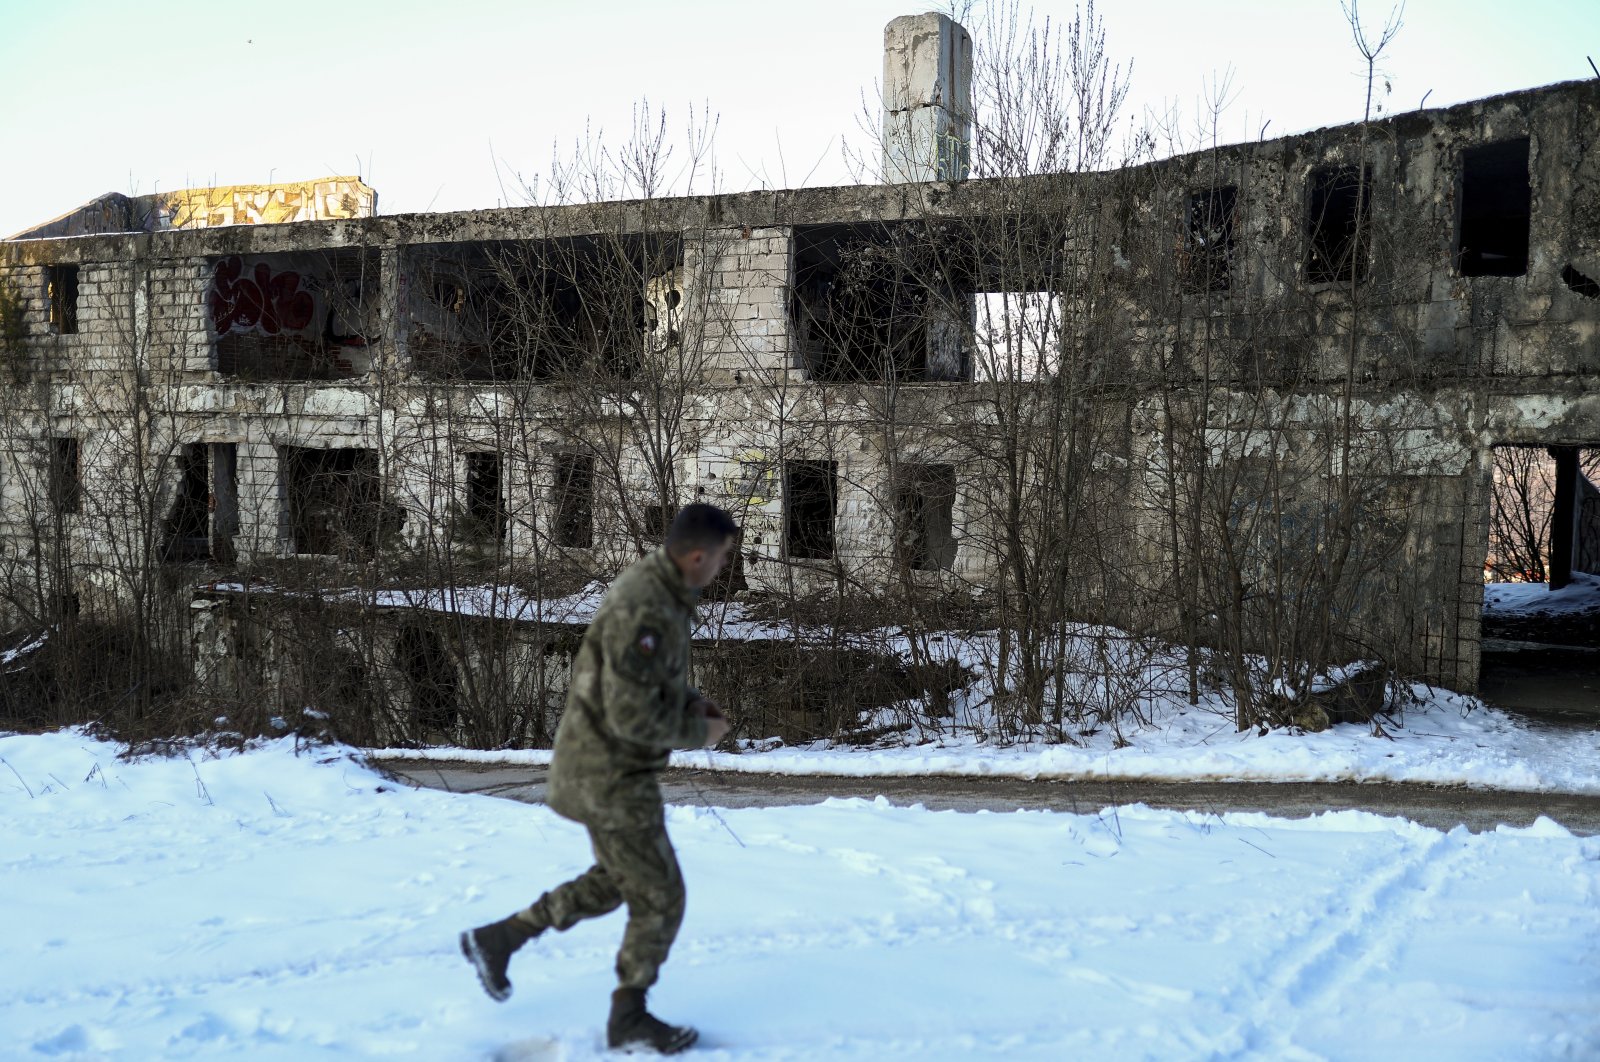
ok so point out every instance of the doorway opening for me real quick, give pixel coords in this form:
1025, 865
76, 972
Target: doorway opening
1541, 595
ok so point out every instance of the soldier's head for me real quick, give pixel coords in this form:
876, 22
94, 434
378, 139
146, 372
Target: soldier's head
698, 542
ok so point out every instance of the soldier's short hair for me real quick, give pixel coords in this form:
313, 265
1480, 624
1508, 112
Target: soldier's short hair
699, 526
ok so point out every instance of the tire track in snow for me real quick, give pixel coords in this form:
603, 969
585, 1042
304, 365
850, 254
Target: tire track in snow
1343, 947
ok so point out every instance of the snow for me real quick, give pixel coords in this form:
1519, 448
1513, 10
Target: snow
1506, 600
270, 905
1449, 739
497, 602
34, 642
718, 619
490, 601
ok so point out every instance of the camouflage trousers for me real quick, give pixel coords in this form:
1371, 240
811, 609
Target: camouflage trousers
633, 867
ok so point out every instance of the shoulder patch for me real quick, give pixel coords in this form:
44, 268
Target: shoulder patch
639, 647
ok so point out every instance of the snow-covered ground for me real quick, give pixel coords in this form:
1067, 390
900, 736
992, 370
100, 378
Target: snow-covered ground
1446, 739
274, 906
1507, 600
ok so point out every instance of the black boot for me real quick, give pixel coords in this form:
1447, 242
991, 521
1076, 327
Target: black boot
489, 948
633, 1028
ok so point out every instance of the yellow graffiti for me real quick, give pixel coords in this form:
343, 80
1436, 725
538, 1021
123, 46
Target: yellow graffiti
757, 482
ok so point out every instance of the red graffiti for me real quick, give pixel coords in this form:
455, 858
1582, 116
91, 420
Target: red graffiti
272, 303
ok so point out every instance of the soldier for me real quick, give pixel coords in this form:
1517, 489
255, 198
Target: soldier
629, 703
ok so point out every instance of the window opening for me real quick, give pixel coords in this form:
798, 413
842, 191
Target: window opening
431, 677
1020, 276
1496, 204
66, 475
486, 506
1579, 283
187, 525
657, 518
925, 506
1209, 239
293, 317
334, 505
1337, 225
449, 295
1540, 648
731, 579
860, 304
62, 282
541, 309
224, 500
663, 318
811, 498
1017, 334
574, 483
1544, 520
348, 317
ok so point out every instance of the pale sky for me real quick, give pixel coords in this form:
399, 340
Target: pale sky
420, 97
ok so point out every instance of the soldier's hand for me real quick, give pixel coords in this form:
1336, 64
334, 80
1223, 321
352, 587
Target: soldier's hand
716, 722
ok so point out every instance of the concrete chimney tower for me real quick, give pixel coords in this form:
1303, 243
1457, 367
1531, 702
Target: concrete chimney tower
927, 99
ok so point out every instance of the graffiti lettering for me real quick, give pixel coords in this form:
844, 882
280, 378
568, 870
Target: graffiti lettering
270, 302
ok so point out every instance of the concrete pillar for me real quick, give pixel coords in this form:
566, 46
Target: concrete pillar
949, 324
927, 99
1564, 520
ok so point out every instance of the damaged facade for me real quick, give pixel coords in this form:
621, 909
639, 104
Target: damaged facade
1175, 371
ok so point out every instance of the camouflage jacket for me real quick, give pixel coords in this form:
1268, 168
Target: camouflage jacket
629, 701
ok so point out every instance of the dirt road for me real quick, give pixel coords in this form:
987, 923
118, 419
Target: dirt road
1444, 808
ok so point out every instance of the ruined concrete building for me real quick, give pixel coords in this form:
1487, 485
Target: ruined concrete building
1159, 395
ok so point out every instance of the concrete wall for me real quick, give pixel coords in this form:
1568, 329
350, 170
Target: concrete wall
322, 199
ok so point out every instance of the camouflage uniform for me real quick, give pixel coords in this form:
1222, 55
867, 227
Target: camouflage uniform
627, 707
